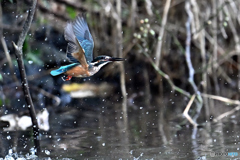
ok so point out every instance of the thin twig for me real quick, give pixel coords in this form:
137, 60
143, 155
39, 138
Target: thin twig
132, 18
185, 112
5, 48
226, 114
201, 37
195, 22
221, 19
215, 47
226, 100
223, 99
122, 70
19, 56
188, 52
149, 7
161, 33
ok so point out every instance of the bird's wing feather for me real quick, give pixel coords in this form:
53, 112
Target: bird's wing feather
63, 69
75, 52
84, 37
72, 43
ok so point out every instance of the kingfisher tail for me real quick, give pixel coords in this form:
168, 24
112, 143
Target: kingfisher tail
63, 69
57, 72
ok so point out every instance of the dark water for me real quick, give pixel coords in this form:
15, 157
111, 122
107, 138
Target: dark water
147, 134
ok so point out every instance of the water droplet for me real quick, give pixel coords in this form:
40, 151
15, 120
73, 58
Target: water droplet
47, 152
32, 151
10, 151
9, 137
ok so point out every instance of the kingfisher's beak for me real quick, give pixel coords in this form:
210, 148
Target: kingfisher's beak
115, 59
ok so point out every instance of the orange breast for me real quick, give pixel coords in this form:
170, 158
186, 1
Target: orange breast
78, 71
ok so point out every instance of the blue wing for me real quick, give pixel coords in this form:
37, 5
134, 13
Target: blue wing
72, 47
84, 37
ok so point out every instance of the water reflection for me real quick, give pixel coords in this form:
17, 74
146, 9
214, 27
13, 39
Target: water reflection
103, 134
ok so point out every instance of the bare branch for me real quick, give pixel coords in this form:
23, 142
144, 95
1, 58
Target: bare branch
185, 112
227, 114
161, 33
27, 25
22, 71
188, 51
223, 99
122, 70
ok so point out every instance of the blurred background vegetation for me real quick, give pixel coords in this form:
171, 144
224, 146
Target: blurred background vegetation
164, 43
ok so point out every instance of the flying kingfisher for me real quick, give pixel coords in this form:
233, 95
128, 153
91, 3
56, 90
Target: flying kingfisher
80, 51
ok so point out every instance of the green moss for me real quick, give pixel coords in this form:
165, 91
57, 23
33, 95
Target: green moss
71, 12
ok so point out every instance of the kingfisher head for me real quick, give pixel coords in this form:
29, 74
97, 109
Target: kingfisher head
102, 60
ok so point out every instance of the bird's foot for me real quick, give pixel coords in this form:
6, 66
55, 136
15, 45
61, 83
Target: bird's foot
66, 78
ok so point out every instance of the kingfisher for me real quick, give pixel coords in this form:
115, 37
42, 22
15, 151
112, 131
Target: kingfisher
80, 51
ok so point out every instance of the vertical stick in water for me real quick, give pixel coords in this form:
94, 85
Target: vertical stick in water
24, 81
